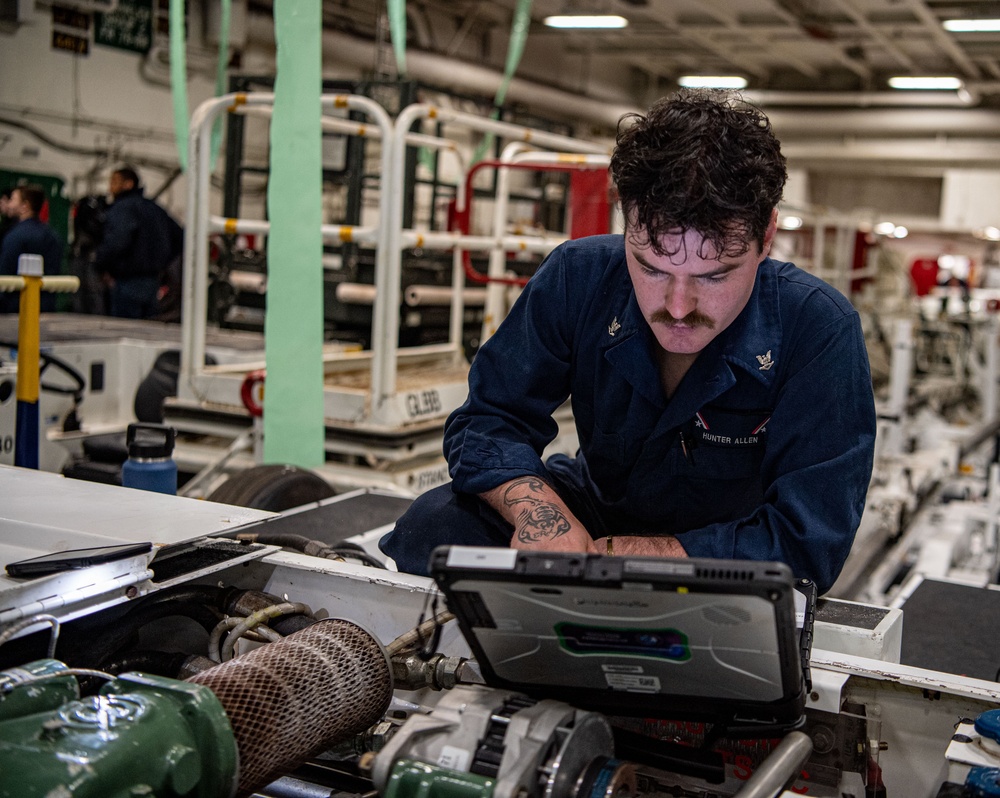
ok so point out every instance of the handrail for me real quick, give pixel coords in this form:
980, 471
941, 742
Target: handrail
534, 164
388, 235
388, 284
200, 222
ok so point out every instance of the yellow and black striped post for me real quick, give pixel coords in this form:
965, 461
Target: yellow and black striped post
30, 282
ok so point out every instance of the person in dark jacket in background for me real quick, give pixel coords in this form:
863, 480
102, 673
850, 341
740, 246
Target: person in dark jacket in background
88, 230
722, 399
29, 235
140, 241
7, 219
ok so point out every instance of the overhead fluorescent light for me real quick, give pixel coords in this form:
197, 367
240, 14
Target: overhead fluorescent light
972, 25
712, 82
593, 21
885, 228
790, 222
926, 83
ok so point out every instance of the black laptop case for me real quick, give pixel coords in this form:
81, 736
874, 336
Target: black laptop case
711, 640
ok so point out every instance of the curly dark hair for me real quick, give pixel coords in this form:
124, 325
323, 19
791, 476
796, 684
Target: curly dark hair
699, 160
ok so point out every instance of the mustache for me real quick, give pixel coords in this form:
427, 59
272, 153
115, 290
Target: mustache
692, 319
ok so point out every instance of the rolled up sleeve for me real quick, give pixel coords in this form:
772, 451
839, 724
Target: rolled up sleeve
518, 378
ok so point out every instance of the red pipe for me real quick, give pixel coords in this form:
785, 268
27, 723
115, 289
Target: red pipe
464, 215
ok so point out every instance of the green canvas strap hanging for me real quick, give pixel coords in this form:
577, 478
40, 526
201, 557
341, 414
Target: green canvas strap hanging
293, 325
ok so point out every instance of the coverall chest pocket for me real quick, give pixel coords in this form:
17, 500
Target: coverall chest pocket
724, 443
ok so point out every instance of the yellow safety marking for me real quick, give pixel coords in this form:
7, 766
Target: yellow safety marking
238, 100
420, 240
432, 112
527, 135
28, 339
523, 245
682, 590
346, 234
230, 227
568, 158
362, 130
340, 101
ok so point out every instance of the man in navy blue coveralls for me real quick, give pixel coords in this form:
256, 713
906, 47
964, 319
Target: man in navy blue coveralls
29, 235
723, 400
139, 242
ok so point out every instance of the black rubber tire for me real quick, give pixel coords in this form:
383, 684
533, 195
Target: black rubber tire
160, 383
272, 487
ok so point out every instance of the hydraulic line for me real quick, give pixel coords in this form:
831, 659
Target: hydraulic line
18, 626
226, 625
314, 548
259, 617
248, 602
416, 635
160, 663
86, 672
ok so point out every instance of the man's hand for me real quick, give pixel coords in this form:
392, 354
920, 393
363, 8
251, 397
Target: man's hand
657, 546
541, 519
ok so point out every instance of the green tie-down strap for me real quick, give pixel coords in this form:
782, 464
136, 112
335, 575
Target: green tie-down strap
293, 327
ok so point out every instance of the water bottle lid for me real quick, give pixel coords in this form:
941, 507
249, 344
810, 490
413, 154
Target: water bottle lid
988, 724
983, 782
150, 441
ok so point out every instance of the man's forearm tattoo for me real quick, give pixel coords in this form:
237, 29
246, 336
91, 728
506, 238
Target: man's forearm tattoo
536, 517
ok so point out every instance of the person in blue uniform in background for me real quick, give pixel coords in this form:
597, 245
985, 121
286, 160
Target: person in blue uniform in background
28, 235
723, 400
140, 241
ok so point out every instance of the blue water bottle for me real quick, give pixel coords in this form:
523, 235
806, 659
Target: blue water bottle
150, 464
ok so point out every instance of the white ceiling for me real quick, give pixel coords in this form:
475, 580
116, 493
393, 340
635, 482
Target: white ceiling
819, 68
830, 45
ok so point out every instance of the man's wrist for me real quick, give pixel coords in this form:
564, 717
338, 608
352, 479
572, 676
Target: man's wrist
646, 546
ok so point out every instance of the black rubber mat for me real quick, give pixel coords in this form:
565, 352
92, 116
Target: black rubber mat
860, 616
952, 628
337, 519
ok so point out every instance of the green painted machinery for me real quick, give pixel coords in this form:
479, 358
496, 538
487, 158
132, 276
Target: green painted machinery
139, 736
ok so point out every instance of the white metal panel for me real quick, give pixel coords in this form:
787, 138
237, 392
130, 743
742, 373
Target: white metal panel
42, 513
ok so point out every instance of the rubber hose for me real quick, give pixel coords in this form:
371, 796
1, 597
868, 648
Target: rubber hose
256, 619
159, 663
315, 548
407, 639
361, 556
227, 625
248, 602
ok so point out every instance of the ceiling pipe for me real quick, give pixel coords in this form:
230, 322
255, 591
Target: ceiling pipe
894, 117
459, 76
942, 153
866, 99
902, 122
